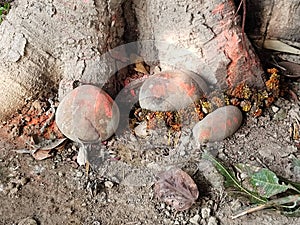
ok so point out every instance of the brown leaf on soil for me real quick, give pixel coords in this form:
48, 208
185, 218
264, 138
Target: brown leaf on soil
176, 188
46, 147
42, 149
41, 154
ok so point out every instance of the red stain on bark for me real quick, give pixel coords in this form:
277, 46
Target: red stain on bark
218, 9
243, 66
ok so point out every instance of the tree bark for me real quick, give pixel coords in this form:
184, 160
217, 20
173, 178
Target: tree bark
44, 42
209, 30
274, 19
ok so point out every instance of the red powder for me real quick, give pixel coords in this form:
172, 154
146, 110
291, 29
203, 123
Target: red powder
218, 9
158, 90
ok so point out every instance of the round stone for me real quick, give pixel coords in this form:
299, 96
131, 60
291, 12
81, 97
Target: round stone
218, 125
170, 91
87, 114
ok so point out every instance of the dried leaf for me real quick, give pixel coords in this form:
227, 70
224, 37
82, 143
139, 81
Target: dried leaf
43, 149
290, 69
53, 144
176, 188
280, 46
41, 154
139, 67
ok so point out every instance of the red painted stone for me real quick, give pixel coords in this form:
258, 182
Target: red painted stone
87, 114
170, 91
218, 125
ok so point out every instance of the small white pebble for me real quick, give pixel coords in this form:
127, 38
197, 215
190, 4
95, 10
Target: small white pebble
79, 174
24, 181
108, 184
167, 213
212, 221
205, 212
195, 219
60, 174
275, 109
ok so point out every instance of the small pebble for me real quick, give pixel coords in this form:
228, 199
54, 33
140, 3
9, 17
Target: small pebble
1, 187
167, 213
212, 221
108, 184
96, 223
205, 212
60, 174
27, 221
182, 153
79, 174
275, 109
141, 129
195, 219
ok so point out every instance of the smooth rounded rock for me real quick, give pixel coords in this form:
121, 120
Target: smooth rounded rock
87, 114
170, 91
218, 125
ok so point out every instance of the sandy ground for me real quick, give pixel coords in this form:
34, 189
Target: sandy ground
119, 190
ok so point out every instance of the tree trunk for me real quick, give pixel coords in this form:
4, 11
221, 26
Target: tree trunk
274, 19
209, 30
44, 42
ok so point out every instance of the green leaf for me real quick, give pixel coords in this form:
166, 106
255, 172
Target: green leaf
4, 10
246, 170
296, 165
267, 184
231, 180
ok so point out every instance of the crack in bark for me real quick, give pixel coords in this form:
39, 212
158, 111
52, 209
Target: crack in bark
268, 22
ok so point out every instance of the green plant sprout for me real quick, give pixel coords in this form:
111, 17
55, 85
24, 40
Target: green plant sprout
4, 10
262, 186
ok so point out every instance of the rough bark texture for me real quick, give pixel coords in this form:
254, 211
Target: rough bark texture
209, 30
274, 19
45, 41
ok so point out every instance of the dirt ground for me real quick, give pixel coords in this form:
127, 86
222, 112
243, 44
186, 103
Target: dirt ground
119, 190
